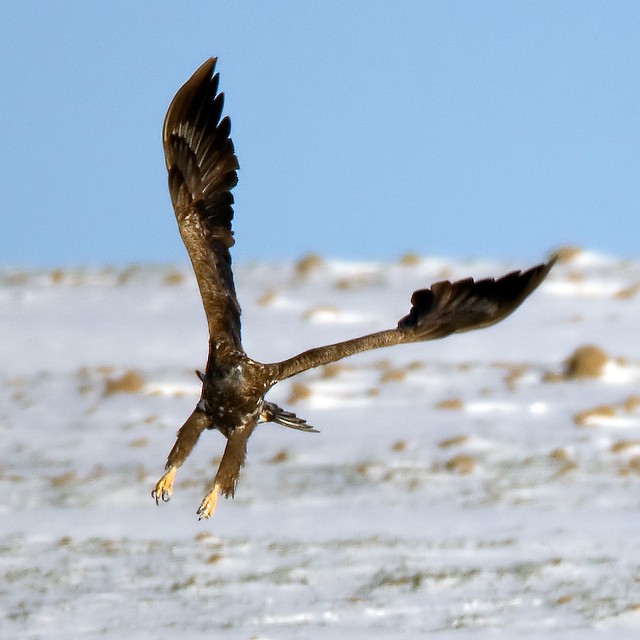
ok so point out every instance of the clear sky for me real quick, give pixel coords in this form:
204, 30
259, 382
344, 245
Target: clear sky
364, 129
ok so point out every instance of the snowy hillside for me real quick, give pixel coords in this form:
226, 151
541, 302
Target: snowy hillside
486, 483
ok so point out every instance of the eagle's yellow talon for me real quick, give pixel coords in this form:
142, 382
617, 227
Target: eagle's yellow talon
164, 487
208, 505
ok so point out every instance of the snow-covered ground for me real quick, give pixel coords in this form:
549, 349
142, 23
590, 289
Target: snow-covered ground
469, 486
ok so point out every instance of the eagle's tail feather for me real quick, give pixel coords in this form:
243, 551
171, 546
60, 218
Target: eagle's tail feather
273, 413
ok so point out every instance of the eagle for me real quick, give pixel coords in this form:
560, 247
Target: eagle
202, 168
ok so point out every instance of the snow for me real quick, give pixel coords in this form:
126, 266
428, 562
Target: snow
451, 489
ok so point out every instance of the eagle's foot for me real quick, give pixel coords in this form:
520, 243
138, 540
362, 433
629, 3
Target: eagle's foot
164, 487
208, 505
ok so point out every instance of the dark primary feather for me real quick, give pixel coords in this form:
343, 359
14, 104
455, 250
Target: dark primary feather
202, 165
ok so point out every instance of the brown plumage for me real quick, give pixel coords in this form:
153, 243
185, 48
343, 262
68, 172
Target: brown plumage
202, 168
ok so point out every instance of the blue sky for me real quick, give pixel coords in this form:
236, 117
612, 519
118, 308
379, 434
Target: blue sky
364, 129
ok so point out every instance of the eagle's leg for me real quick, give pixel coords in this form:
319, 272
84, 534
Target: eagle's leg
185, 441
228, 471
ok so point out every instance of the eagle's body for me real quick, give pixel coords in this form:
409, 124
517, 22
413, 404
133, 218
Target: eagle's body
202, 166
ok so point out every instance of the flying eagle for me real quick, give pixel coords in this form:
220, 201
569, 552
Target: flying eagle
202, 167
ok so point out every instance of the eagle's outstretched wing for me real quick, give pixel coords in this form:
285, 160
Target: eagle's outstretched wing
202, 171
445, 308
